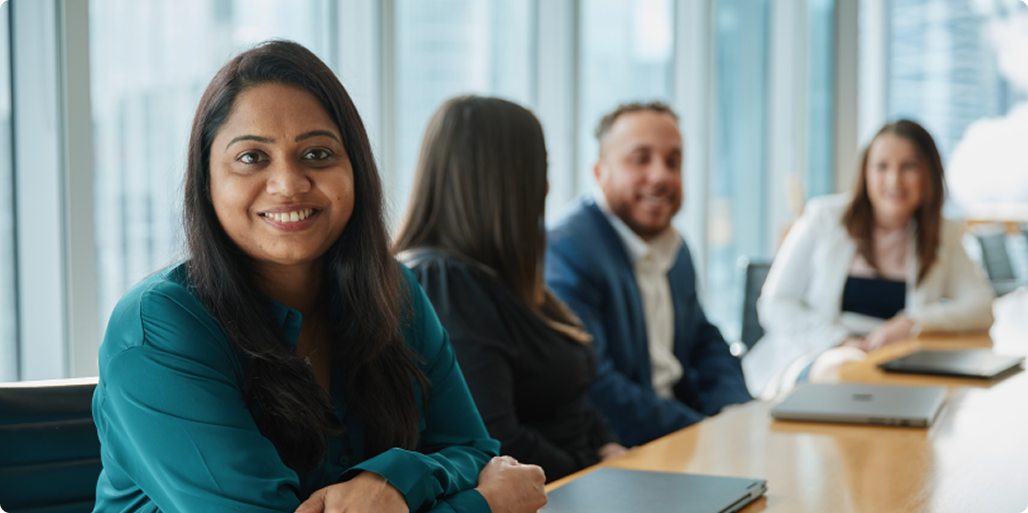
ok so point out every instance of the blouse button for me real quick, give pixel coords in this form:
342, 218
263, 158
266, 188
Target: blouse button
344, 461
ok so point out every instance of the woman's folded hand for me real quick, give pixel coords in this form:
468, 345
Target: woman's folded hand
511, 487
366, 493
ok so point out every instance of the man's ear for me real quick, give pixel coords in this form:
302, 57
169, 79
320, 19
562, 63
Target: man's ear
597, 171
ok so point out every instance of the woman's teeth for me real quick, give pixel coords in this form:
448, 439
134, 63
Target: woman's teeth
290, 217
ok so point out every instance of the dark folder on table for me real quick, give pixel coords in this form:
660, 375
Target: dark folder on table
967, 363
614, 490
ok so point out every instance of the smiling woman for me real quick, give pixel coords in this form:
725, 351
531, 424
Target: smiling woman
281, 181
290, 359
868, 269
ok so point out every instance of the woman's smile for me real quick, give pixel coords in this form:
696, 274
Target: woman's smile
290, 218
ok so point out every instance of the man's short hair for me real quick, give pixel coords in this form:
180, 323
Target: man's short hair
608, 120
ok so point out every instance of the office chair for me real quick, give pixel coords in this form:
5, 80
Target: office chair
996, 260
755, 274
49, 450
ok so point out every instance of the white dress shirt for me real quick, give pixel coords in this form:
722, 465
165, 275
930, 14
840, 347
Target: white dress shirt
651, 262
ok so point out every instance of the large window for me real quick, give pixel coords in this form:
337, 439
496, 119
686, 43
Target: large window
446, 48
8, 288
150, 63
745, 186
736, 201
820, 101
956, 66
626, 54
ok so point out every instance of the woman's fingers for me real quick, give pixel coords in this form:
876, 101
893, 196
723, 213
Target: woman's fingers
315, 504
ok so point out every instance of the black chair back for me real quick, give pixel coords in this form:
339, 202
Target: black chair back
756, 273
49, 450
996, 260
995, 256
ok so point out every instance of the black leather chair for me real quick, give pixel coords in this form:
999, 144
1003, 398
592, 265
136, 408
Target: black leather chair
996, 260
755, 272
49, 451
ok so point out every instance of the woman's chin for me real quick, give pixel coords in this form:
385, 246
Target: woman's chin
289, 259
894, 212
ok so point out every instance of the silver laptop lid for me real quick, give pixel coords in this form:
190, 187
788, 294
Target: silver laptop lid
615, 490
862, 404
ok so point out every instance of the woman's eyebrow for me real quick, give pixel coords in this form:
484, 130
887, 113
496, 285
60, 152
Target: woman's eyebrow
268, 140
265, 140
316, 133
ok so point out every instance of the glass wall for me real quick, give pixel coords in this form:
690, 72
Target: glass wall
820, 100
957, 67
446, 48
736, 183
741, 181
8, 282
626, 50
150, 62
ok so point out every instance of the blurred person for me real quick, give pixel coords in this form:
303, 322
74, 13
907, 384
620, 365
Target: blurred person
290, 363
864, 270
617, 262
473, 237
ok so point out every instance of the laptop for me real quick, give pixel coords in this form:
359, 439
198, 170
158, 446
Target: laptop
862, 404
967, 363
615, 490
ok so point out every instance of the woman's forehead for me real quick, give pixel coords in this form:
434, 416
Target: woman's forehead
274, 109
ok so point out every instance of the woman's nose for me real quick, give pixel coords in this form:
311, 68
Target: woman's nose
288, 179
891, 177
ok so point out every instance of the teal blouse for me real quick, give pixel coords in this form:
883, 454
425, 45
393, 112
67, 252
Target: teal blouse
176, 435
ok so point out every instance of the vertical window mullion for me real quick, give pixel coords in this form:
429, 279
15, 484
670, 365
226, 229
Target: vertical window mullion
9, 360
38, 190
80, 229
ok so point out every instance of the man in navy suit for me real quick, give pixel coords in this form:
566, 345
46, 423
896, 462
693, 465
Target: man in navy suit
615, 259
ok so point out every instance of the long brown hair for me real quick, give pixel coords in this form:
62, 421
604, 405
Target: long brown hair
480, 194
361, 298
859, 218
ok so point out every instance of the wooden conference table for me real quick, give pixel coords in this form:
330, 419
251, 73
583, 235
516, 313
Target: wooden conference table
973, 458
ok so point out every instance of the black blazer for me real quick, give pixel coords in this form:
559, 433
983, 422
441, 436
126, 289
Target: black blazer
529, 381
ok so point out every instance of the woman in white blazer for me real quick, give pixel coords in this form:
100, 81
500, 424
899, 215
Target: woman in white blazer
849, 258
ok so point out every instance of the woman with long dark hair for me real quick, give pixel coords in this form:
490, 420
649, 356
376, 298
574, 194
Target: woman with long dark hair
869, 268
289, 359
474, 237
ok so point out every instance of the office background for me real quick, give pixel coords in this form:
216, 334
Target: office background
776, 98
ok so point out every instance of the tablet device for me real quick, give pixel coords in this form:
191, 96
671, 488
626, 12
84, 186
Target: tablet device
965, 363
615, 490
862, 404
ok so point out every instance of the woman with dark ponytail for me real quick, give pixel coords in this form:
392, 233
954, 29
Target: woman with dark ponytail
473, 236
289, 359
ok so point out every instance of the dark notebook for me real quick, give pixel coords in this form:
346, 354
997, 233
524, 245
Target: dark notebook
969, 363
615, 490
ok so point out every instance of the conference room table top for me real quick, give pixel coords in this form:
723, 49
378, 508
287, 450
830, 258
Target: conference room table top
973, 458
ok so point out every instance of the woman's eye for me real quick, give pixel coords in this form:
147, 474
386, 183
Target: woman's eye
250, 158
317, 154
